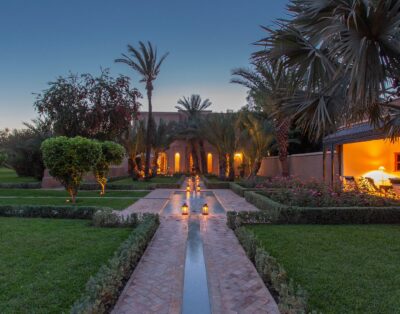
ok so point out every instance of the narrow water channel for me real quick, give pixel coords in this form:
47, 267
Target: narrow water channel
195, 289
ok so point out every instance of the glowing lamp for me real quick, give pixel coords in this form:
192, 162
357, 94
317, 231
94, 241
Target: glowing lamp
204, 209
198, 188
188, 188
381, 168
185, 209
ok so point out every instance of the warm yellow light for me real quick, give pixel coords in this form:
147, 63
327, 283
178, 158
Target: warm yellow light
198, 188
205, 209
381, 168
185, 209
188, 188
238, 155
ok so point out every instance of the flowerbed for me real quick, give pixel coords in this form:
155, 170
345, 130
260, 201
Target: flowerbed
294, 192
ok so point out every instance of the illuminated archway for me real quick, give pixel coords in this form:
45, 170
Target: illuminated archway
177, 162
209, 163
162, 163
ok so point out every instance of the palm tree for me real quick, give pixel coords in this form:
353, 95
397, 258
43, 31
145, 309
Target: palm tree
163, 137
145, 62
193, 107
347, 53
270, 86
257, 138
220, 131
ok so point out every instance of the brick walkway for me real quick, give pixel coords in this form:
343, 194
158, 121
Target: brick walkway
153, 202
156, 285
234, 284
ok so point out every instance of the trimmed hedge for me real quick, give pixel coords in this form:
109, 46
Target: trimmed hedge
239, 189
273, 212
131, 187
290, 298
215, 185
104, 288
48, 211
26, 185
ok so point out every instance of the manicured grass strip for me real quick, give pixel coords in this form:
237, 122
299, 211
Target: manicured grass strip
344, 269
45, 263
114, 203
146, 184
63, 193
9, 176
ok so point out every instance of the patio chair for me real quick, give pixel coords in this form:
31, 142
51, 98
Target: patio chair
349, 183
367, 185
396, 185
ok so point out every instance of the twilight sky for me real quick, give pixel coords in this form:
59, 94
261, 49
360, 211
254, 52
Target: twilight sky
43, 39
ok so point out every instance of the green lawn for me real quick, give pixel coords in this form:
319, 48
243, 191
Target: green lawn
345, 269
45, 263
146, 184
9, 176
114, 199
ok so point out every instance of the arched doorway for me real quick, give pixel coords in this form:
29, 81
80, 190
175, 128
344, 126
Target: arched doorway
209, 163
177, 162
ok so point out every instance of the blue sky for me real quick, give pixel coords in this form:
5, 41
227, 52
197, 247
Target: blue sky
43, 39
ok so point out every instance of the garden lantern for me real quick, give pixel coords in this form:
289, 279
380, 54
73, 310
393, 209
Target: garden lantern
188, 188
205, 209
185, 209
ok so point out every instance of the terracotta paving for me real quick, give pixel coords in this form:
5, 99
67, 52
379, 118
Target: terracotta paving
156, 285
234, 284
153, 202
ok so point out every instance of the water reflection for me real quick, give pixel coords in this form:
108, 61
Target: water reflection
195, 200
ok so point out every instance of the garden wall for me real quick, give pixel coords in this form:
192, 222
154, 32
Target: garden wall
304, 166
115, 171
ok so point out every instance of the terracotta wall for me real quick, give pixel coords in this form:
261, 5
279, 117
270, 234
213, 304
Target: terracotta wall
304, 166
115, 171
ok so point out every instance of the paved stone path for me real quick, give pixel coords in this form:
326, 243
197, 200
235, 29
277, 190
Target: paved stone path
154, 202
156, 285
234, 284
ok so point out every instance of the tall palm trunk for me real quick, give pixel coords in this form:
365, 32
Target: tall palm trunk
155, 162
254, 169
231, 161
194, 155
203, 159
282, 126
222, 166
149, 88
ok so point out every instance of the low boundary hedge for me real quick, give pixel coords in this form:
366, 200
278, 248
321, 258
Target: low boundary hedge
215, 185
273, 212
104, 288
26, 185
240, 190
48, 211
290, 298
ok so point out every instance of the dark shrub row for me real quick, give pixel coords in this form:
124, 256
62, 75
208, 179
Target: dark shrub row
104, 288
290, 298
239, 189
215, 185
27, 185
48, 211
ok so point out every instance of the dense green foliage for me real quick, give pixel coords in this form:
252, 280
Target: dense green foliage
344, 269
45, 263
111, 154
68, 159
23, 148
95, 107
3, 158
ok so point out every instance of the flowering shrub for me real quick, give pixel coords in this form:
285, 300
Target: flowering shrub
295, 192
